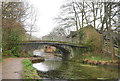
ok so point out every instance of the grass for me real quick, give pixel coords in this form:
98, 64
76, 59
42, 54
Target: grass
29, 71
5, 57
92, 56
97, 57
1, 59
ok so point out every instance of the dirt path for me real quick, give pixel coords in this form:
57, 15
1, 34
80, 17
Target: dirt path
12, 68
0, 71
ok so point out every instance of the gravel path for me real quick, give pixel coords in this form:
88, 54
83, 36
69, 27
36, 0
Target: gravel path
12, 68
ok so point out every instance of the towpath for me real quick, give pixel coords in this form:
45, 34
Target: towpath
12, 68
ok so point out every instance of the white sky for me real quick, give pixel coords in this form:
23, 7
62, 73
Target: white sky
47, 11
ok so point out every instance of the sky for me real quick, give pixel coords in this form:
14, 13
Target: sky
47, 10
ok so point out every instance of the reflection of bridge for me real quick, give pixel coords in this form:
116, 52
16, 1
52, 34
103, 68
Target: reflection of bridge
65, 47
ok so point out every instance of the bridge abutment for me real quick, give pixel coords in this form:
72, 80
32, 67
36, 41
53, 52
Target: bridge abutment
69, 54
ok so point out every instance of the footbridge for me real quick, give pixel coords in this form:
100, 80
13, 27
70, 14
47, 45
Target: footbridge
65, 47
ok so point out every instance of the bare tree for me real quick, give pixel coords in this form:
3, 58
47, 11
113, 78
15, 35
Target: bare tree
33, 18
30, 20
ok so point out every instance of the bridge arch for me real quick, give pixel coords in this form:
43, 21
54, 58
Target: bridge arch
66, 48
66, 51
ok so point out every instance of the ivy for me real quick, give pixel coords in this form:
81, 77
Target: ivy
81, 34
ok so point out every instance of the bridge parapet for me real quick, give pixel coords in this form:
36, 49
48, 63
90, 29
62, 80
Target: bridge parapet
53, 43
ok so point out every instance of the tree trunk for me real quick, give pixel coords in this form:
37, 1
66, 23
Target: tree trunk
94, 14
83, 15
110, 33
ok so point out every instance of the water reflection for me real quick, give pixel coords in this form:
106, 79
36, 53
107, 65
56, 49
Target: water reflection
54, 68
37, 53
47, 65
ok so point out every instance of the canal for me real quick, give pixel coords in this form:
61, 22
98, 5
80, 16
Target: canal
55, 68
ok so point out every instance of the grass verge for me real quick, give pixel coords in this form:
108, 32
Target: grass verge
92, 56
5, 57
98, 57
29, 72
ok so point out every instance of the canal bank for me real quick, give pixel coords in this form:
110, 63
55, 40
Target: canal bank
92, 58
28, 71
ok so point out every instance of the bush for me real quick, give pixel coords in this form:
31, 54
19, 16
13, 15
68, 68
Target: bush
13, 33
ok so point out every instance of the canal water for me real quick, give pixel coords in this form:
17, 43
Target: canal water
55, 68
